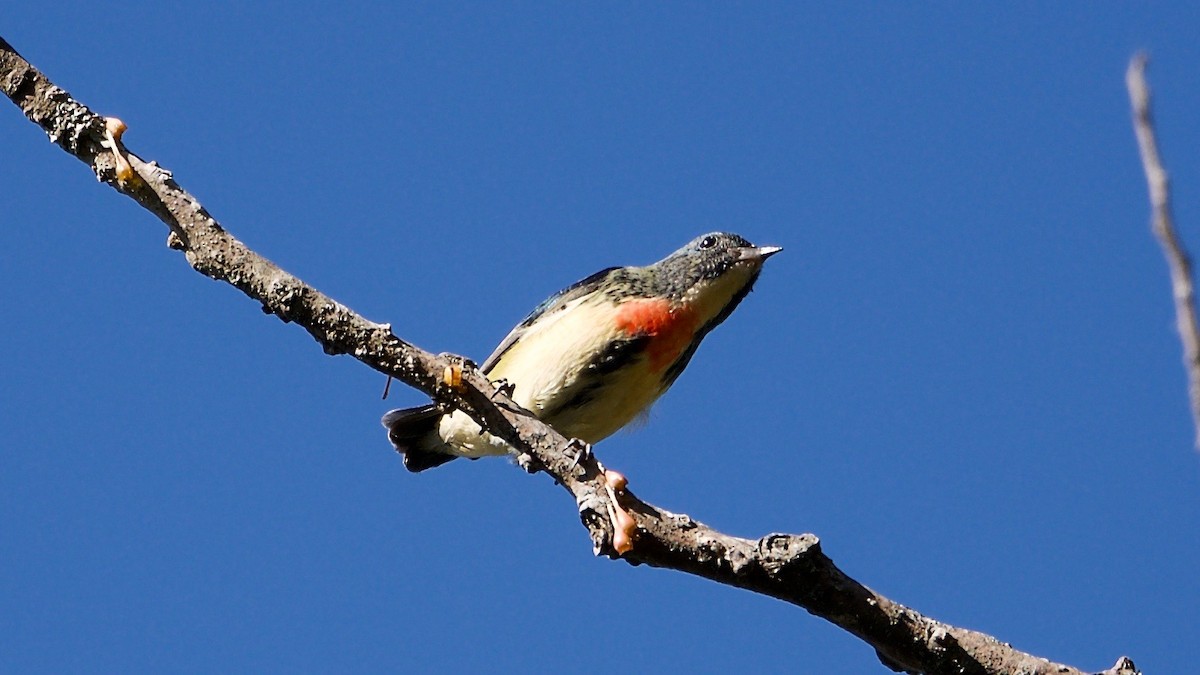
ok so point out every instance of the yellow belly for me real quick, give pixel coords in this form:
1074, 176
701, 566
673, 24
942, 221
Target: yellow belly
548, 368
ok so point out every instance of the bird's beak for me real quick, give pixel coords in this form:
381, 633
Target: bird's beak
758, 253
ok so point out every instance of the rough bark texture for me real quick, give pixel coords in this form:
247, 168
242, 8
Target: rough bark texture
785, 566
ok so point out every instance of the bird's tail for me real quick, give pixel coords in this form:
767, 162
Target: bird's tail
409, 430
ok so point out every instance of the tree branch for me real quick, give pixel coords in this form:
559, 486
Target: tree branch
785, 566
1163, 225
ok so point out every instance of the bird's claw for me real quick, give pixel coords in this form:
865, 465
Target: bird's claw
503, 387
582, 449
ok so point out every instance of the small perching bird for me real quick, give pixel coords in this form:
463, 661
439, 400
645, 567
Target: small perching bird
597, 354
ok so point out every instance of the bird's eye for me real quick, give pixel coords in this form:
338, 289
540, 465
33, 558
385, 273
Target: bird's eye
708, 242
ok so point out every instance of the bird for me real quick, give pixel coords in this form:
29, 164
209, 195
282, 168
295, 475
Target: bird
597, 354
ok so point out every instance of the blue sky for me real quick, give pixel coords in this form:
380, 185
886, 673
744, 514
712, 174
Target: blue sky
962, 373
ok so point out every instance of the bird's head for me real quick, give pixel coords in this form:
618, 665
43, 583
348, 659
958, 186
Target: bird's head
712, 269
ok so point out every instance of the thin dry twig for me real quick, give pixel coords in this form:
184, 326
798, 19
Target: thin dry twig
1163, 225
790, 567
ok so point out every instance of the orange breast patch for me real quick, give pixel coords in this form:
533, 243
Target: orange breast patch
670, 330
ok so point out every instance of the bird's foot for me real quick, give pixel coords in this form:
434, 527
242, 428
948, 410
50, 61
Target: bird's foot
583, 450
504, 387
623, 524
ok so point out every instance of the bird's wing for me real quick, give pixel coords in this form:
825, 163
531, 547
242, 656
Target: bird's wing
554, 303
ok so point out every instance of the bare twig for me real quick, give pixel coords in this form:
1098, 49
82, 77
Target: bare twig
1163, 225
785, 566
